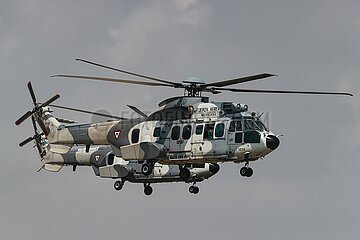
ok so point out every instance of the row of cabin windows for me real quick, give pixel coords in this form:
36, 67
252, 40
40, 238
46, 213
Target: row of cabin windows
249, 137
207, 131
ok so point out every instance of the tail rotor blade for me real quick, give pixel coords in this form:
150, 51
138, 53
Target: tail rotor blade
23, 117
50, 101
31, 90
26, 141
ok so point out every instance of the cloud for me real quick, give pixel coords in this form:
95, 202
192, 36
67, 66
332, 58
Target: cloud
154, 24
193, 12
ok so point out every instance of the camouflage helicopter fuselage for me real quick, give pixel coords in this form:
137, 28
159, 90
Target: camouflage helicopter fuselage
186, 130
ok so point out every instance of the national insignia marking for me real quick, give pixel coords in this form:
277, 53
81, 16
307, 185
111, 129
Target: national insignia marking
117, 134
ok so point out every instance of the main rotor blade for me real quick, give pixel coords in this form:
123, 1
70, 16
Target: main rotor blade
131, 73
238, 80
31, 90
115, 80
23, 117
283, 91
50, 101
138, 111
88, 112
26, 141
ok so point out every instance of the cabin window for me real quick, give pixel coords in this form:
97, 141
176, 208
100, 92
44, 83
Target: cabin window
135, 135
110, 159
199, 129
156, 132
238, 137
186, 134
252, 137
209, 131
175, 133
219, 130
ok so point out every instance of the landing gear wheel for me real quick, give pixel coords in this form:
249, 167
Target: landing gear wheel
147, 169
249, 172
184, 174
194, 189
148, 190
243, 171
118, 185
246, 172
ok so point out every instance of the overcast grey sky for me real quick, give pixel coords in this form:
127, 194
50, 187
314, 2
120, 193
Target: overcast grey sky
307, 189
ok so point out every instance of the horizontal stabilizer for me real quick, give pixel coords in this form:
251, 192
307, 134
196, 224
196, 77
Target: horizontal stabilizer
60, 149
53, 167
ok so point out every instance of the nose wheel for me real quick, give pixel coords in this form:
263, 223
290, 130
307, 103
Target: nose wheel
194, 189
148, 189
246, 171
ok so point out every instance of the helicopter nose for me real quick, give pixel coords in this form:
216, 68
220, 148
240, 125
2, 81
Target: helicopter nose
272, 142
214, 168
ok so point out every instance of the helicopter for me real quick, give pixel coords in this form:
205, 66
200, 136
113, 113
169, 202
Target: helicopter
185, 130
106, 165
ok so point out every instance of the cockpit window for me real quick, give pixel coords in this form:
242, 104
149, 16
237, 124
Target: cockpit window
238, 126
260, 125
251, 125
252, 137
235, 125
238, 137
232, 126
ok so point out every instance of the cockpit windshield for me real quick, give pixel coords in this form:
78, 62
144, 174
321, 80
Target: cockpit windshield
254, 124
261, 125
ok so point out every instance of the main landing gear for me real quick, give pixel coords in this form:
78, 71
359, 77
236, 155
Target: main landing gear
194, 189
147, 189
246, 171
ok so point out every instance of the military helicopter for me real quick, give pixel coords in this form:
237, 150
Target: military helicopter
103, 161
188, 129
